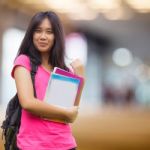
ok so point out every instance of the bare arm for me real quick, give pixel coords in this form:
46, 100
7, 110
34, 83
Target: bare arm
30, 103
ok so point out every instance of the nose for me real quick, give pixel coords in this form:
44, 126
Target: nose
43, 35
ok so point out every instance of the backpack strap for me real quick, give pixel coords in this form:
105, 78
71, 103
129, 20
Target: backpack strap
34, 68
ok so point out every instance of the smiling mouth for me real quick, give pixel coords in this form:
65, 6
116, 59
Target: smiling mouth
42, 44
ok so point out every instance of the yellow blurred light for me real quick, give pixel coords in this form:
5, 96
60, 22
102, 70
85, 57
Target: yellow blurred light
65, 6
75, 9
83, 14
31, 1
140, 5
89, 9
103, 4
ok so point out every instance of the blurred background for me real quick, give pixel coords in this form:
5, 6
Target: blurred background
112, 39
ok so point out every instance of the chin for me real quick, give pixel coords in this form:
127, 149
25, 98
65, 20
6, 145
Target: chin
43, 50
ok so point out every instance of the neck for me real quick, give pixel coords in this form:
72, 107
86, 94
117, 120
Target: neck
45, 63
44, 57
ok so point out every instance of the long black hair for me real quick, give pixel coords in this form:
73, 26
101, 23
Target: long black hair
57, 52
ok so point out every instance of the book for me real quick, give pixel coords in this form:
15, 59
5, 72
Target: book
70, 74
62, 90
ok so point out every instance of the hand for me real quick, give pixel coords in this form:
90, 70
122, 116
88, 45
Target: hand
78, 67
72, 114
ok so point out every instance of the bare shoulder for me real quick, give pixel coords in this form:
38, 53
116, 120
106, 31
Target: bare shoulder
23, 84
21, 73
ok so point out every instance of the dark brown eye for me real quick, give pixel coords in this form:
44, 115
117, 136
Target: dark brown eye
49, 31
37, 30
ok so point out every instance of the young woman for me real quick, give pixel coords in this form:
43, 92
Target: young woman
43, 44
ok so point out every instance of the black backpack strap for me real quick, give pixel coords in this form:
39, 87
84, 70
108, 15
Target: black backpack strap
34, 68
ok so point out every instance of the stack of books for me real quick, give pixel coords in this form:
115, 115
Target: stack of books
64, 88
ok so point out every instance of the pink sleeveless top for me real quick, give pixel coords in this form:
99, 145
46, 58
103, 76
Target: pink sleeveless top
36, 133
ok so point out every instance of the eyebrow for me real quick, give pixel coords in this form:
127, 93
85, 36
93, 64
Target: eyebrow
46, 28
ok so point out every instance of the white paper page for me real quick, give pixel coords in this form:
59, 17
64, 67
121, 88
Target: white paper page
61, 93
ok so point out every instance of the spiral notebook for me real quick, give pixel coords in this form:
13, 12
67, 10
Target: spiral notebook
62, 90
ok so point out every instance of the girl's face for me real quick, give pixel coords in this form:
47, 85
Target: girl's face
43, 36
